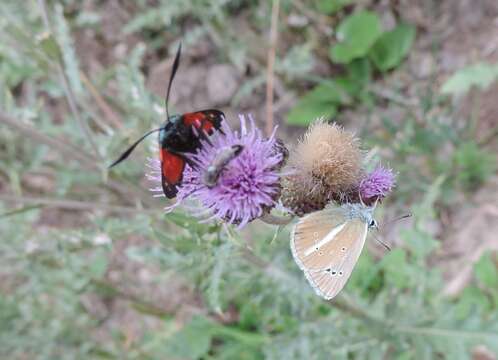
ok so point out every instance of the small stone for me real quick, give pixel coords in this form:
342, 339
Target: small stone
426, 65
221, 83
388, 20
297, 21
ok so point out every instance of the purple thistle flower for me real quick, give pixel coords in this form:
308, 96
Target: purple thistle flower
377, 185
247, 186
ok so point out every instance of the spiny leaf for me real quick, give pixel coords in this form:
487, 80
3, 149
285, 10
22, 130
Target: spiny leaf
71, 63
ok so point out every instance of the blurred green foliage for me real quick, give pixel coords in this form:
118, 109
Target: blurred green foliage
392, 308
478, 75
473, 165
361, 42
356, 35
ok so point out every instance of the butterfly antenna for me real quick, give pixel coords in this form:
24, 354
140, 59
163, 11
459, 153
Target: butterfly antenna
398, 218
359, 196
388, 248
131, 148
176, 63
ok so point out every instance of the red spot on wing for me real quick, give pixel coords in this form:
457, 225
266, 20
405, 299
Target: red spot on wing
194, 119
172, 167
208, 120
208, 127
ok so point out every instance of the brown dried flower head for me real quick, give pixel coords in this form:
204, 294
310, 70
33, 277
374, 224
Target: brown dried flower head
302, 195
326, 165
330, 154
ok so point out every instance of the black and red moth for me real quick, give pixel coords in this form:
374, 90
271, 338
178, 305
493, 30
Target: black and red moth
180, 135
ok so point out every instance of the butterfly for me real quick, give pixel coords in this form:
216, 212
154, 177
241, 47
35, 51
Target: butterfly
220, 161
180, 134
326, 245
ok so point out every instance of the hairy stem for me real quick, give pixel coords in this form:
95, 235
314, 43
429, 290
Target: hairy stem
276, 219
270, 65
73, 204
64, 148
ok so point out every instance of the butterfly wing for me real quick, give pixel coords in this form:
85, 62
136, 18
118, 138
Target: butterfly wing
329, 281
309, 237
172, 167
326, 246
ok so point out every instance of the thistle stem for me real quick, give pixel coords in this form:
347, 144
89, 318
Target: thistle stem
270, 65
276, 219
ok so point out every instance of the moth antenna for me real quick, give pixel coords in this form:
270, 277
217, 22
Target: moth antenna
174, 69
388, 248
131, 148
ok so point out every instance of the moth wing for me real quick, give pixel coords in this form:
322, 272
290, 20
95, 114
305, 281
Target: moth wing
307, 238
172, 167
213, 119
207, 120
329, 281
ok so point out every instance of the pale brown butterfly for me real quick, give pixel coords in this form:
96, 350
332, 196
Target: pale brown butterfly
326, 245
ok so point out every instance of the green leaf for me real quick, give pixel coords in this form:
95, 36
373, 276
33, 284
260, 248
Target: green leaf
250, 316
474, 165
470, 299
357, 33
215, 279
66, 43
238, 351
396, 270
392, 47
330, 7
192, 341
50, 46
486, 271
98, 264
360, 71
480, 75
322, 101
420, 243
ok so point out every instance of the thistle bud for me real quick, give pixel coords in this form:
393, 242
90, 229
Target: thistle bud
328, 162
